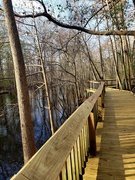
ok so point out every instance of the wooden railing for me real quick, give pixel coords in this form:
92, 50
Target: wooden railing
93, 86
65, 154
110, 82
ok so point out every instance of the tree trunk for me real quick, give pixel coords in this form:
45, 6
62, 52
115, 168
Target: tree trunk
93, 66
52, 124
116, 62
21, 83
128, 60
125, 81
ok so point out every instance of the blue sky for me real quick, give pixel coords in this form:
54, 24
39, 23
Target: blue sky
25, 5
21, 5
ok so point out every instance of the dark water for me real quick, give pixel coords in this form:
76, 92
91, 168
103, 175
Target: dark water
11, 155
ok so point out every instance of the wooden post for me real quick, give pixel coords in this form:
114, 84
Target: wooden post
101, 104
95, 108
94, 113
100, 107
92, 134
103, 96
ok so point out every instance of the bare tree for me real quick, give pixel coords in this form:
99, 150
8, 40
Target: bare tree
79, 28
45, 83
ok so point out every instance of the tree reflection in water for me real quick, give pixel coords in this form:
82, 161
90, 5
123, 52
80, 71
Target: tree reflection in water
11, 155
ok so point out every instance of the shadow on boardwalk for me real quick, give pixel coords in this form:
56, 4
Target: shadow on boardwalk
115, 158
117, 149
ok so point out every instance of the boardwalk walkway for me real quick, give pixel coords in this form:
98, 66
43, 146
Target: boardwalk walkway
115, 158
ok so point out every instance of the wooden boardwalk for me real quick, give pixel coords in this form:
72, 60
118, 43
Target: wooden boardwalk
115, 158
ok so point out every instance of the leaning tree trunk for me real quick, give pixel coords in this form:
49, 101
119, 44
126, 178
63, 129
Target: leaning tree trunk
116, 62
21, 83
125, 81
49, 107
93, 67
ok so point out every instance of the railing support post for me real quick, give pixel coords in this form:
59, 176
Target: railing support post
103, 97
101, 104
92, 134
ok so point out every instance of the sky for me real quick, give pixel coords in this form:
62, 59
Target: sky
22, 6
26, 6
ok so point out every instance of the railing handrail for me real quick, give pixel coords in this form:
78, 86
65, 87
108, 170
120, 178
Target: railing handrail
49, 160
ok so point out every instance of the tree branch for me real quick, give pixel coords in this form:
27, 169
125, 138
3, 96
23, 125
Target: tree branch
79, 28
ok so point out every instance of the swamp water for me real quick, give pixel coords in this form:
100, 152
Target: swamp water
11, 155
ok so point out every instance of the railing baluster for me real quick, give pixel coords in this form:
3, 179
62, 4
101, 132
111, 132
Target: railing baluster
76, 161
82, 152
58, 178
64, 173
69, 170
79, 156
86, 140
84, 136
83, 143
85, 146
73, 165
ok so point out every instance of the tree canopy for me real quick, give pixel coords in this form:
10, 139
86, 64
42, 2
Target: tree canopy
80, 15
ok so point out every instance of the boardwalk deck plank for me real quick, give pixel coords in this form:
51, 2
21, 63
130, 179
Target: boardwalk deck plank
115, 158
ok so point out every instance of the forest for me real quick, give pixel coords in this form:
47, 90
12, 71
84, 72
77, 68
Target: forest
49, 51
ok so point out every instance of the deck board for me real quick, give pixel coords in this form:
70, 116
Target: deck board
115, 158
